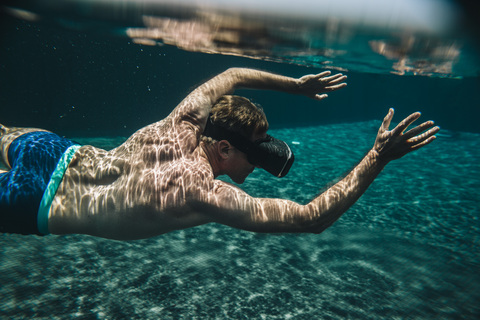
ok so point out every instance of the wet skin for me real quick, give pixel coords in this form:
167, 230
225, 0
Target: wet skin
163, 177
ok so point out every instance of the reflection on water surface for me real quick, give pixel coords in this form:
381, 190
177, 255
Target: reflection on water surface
406, 38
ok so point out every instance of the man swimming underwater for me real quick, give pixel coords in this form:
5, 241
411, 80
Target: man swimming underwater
163, 177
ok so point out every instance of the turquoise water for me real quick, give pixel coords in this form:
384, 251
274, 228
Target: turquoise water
409, 248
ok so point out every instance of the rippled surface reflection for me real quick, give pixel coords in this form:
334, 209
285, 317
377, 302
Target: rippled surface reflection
411, 38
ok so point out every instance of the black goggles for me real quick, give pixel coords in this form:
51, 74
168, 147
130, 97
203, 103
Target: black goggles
270, 154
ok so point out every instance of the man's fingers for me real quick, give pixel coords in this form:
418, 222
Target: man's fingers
337, 81
423, 143
335, 87
424, 136
418, 129
320, 96
323, 74
334, 77
387, 120
405, 123
322, 82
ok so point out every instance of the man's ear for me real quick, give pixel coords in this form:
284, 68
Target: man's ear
224, 149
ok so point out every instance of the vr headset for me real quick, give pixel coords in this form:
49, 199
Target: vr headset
270, 154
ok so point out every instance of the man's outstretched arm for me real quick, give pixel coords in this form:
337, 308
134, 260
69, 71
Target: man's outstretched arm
239, 210
197, 105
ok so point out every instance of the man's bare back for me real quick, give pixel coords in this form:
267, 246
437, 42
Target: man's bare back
163, 177
147, 186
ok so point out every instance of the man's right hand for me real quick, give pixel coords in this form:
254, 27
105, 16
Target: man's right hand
315, 85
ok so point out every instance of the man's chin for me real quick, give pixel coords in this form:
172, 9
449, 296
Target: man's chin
238, 180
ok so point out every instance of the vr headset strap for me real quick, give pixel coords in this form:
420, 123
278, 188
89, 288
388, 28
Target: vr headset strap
220, 133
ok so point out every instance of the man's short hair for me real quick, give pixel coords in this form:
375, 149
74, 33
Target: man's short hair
240, 115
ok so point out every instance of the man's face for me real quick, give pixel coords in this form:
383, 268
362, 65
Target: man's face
239, 167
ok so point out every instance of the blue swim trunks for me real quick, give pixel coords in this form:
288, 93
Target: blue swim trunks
38, 160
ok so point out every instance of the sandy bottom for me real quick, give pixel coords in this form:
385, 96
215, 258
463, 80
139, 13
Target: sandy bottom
408, 249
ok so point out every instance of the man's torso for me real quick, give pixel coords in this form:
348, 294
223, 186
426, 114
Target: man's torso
149, 185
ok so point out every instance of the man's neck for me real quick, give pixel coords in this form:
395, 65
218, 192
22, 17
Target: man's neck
208, 154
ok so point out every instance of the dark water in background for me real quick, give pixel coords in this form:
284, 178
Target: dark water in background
72, 79
407, 249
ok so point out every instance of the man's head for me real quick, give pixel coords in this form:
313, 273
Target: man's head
239, 115
239, 128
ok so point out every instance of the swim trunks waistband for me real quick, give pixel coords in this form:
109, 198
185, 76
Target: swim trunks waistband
51, 190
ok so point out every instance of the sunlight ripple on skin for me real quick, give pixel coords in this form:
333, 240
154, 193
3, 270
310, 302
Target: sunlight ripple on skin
162, 178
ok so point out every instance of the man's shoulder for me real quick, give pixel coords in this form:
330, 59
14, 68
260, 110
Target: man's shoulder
165, 135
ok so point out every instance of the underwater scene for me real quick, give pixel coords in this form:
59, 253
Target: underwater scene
97, 71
